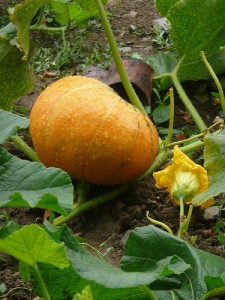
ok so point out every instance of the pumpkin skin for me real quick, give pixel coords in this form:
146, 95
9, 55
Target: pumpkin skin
82, 126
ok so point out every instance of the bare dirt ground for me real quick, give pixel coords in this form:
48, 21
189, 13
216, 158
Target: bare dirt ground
110, 223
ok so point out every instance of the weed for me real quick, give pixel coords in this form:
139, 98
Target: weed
70, 55
4, 16
161, 37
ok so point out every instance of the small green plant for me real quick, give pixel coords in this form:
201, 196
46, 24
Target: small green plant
4, 17
161, 113
162, 38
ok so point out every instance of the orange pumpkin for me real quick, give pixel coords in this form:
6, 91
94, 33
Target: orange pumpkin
82, 126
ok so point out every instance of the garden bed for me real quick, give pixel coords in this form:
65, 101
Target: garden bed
106, 228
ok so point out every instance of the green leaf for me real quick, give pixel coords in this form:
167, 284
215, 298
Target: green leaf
25, 271
163, 64
64, 283
221, 238
21, 15
86, 294
8, 33
213, 282
98, 270
31, 244
214, 163
149, 244
76, 12
16, 75
163, 6
161, 114
31, 184
10, 123
8, 228
3, 287
196, 25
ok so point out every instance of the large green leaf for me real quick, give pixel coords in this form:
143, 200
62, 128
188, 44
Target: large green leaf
31, 244
162, 63
31, 184
214, 162
148, 250
196, 25
21, 15
16, 75
164, 5
10, 123
64, 283
76, 12
94, 268
149, 243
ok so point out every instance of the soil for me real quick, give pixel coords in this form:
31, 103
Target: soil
111, 223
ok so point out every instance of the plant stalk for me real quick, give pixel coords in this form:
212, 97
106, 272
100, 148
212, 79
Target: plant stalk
170, 129
23, 146
155, 222
184, 221
40, 16
197, 136
82, 208
48, 29
82, 191
216, 80
190, 107
182, 218
148, 292
118, 61
162, 156
41, 282
214, 292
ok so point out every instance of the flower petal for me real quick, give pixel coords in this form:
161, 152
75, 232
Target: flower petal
184, 178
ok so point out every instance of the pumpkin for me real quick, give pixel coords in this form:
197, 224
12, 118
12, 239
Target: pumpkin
79, 124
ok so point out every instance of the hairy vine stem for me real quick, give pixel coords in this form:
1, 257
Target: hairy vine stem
189, 106
216, 80
118, 61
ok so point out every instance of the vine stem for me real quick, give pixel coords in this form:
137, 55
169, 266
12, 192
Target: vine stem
83, 207
184, 222
148, 292
118, 61
48, 29
162, 156
40, 16
155, 222
190, 107
182, 218
23, 146
41, 282
170, 129
216, 80
214, 292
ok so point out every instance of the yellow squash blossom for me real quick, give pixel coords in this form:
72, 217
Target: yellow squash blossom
184, 179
